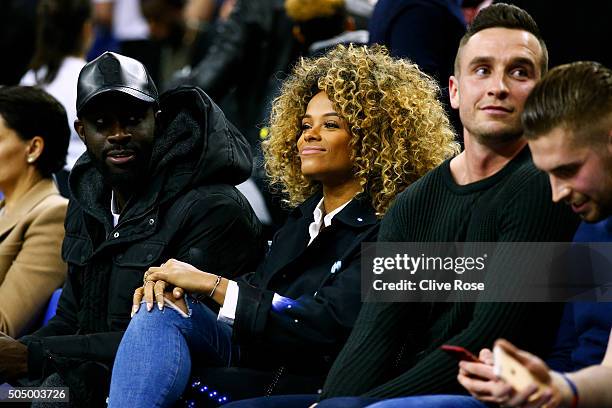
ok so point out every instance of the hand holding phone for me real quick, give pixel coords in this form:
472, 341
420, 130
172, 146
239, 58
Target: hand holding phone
513, 372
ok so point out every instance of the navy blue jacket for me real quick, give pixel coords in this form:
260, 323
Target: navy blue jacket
425, 31
585, 326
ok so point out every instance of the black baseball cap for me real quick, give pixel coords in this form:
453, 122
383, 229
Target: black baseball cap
114, 72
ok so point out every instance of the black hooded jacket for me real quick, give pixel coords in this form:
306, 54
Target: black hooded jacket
189, 210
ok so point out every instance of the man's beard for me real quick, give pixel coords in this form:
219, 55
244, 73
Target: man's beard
128, 181
498, 138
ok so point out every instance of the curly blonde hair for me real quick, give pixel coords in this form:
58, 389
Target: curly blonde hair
399, 129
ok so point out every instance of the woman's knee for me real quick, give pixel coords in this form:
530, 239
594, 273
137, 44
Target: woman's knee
155, 318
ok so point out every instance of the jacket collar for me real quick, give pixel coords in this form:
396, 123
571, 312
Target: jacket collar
357, 213
31, 199
306, 209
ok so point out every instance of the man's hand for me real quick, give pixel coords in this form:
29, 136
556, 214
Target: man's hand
481, 382
553, 390
13, 358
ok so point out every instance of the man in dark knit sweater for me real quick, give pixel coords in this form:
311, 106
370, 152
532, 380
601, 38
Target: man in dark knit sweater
568, 122
489, 193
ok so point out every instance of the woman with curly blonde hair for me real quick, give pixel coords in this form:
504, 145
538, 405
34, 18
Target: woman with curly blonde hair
349, 131
398, 129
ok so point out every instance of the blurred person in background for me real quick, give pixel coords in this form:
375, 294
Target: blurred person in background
124, 21
64, 34
180, 32
202, 16
319, 25
573, 31
425, 31
361, 10
16, 43
34, 137
248, 47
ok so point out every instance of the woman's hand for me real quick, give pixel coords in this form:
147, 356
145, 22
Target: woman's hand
157, 290
190, 279
180, 274
182, 277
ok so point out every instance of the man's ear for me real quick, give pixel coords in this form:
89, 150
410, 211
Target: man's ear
453, 91
79, 127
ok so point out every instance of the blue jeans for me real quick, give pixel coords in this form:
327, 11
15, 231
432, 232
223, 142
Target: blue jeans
153, 363
303, 401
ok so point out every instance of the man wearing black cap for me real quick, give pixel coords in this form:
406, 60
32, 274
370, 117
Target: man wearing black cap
156, 183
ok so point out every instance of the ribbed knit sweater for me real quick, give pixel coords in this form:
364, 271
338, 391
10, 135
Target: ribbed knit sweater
393, 350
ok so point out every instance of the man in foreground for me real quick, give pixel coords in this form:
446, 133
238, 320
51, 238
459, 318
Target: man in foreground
156, 183
568, 122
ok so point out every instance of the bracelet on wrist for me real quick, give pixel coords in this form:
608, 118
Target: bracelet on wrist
212, 292
575, 399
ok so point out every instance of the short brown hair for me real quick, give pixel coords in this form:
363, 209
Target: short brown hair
502, 15
577, 96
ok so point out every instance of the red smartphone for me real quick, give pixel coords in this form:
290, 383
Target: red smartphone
460, 353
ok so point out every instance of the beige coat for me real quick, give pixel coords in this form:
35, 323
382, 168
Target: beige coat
31, 267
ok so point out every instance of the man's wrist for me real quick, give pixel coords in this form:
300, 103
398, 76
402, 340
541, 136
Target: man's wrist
563, 387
